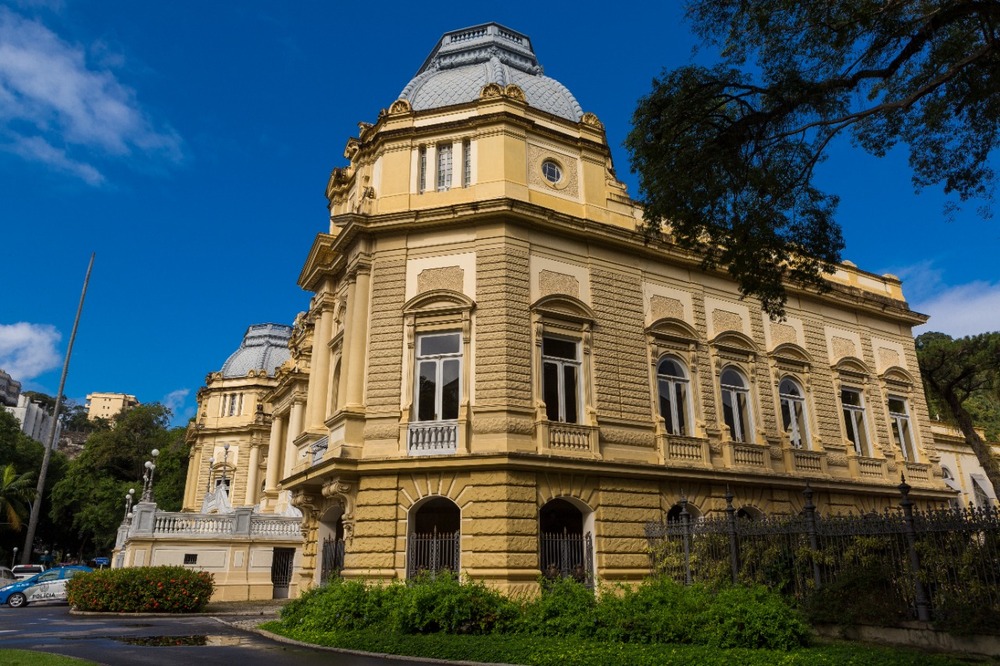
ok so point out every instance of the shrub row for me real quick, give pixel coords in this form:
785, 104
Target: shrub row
659, 611
141, 590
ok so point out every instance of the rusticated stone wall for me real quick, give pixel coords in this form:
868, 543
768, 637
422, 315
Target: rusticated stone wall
619, 346
385, 341
626, 506
372, 550
503, 326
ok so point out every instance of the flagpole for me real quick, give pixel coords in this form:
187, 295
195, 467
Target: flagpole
36, 506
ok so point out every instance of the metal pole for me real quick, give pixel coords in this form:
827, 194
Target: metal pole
734, 549
810, 511
686, 523
36, 506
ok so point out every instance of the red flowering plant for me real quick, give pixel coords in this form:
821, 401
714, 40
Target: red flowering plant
142, 590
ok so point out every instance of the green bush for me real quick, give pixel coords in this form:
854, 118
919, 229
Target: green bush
342, 605
141, 590
446, 604
750, 617
658, 611
564, 608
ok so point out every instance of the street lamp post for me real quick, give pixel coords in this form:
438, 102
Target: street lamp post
147, 477
129, 497
225, 462
14, 559
208, 485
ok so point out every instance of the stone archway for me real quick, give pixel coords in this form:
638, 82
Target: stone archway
331, 543
565, 544
434, 540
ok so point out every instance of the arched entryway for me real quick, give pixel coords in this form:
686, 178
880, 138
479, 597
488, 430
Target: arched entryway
331, 538
565, 541
434, 541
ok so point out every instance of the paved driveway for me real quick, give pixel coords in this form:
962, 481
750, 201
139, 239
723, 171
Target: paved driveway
156, 641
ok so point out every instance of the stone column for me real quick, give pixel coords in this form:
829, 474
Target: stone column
252, 472
191, 485
294, 430
347, 345
358, 349
274, 455
319, 376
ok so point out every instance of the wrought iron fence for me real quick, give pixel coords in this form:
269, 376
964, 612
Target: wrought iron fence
333, 559
432, 553
565, 555
901, 564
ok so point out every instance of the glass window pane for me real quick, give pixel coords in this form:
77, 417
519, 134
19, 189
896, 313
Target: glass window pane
859, 422
897, 406
665, 409
449, 389
434, 345
788, 387
849, 397
570, 393
786, 414
744, 417
727, 413
557, 348
426, 391
550, 390
670, 368
732, 378
680, 403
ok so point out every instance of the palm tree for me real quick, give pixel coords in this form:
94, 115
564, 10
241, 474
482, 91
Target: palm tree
16, 491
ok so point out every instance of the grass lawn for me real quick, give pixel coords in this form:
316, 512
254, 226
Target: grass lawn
548, 651
32, 658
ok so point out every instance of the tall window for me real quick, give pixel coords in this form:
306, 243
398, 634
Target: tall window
793, 413
672, 385
439, 368
736, 405
422, 169
853, 403
466, 163
561, 379
899, 420
443, 167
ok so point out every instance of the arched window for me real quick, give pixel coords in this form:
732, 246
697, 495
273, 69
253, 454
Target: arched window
434, 542
899, 420
793, 413
736, 405
853, 402
672, 386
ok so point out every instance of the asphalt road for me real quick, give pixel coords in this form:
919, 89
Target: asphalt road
159, 641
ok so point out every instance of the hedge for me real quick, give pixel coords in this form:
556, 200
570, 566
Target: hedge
141, 590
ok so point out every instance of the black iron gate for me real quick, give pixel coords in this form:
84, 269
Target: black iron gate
281, 571
333, 559
433, 553
567, 555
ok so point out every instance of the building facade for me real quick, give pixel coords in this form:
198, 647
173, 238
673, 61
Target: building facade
109, 405
495, 358
35, 422
500, 374
9, 390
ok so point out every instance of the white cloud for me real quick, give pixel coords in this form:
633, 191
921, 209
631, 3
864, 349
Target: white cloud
175, 400
53, 105
961, 310
28, 350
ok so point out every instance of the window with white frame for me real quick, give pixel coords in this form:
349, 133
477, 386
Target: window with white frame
902, 433
853, 403
422, 169
561, 379
672, 387
979, 494
466, 163
736, 405
438, 376
443, 167
793, 413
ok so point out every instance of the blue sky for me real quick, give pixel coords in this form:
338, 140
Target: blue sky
188, 144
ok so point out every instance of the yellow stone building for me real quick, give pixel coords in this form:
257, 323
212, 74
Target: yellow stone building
499, 374
494, 351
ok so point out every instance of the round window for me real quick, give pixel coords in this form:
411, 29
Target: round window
551, 171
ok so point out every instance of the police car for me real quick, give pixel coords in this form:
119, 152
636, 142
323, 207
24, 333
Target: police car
47, 586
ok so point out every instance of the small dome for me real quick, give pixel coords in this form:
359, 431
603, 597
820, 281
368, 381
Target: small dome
465, 61
264, 347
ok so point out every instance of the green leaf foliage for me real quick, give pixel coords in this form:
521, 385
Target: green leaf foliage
726, 154
141, 590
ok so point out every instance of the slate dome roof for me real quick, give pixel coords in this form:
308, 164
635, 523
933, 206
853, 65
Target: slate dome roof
466, 60
264, 347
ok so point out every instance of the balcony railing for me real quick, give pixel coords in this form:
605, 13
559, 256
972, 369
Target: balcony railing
432, 438
749, 455
807, 461
569, 436
686, 450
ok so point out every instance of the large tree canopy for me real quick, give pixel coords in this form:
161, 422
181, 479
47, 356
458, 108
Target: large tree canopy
726, 154
961, 374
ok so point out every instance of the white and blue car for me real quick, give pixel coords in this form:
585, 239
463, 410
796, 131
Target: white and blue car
47, 586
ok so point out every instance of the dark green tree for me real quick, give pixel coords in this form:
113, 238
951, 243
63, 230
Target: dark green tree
16, 490
726, 154
959, 374
91, 496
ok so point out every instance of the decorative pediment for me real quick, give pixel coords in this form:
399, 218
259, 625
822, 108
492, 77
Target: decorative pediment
734, 341
438, 301
560, 306
852, 365
791, 353
400, 106
898, 376
671, 328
